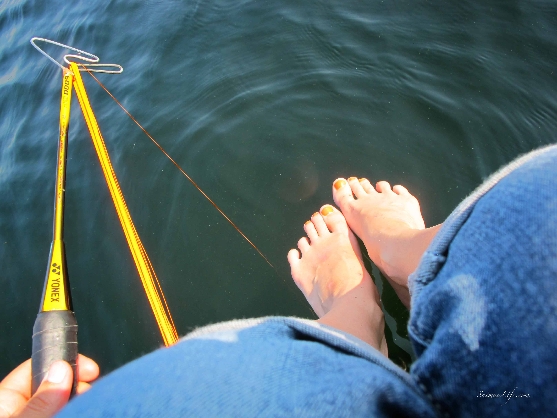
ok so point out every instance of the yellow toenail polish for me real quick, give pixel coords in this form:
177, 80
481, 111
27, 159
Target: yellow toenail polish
362, 179
326, 210
352, 178
307, 223
315, 214
339, 183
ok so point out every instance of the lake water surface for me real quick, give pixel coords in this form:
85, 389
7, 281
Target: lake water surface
264, 104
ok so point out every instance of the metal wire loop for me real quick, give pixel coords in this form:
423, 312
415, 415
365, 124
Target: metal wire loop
93, 61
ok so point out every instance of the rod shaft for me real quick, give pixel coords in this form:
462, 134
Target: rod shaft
55, 330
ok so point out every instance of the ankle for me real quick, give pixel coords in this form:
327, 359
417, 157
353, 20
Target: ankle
359, 313
395, 258
400, 256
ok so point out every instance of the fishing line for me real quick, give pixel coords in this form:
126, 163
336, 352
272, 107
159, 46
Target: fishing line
294, 293
179, 168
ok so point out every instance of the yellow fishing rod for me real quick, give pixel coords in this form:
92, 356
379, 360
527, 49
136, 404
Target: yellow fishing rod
55, 329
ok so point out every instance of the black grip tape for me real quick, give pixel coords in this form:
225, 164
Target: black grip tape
54, 338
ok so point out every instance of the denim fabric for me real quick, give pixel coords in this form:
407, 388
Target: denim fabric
278, 367
484, 298
483, 325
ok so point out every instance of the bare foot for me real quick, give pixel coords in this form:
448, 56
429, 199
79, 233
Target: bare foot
331, 275
390, 224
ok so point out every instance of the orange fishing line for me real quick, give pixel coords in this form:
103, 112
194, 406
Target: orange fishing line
180, 168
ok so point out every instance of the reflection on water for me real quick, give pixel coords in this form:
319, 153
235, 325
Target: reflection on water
264, 104
302, 182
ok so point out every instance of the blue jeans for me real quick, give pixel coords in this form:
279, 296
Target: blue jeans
483, 325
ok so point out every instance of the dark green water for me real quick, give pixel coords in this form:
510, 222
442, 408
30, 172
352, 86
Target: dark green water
264, 104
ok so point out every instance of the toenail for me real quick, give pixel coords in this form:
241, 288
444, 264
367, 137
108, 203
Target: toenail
352, 178
307, 223
339, 183
362, 179
326, 210
315, 214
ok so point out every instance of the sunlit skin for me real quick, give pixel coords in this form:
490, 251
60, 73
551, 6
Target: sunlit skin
328, 267
390, 224
331, 275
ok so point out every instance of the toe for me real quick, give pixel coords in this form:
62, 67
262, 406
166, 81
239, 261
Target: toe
401, 190
356, 187
342, 193
334, 220
383, 187
310, 230
295, 264
366, 185
319, 224
293, 257
303, 244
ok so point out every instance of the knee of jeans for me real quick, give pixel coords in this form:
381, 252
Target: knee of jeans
504, 250
521, 212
